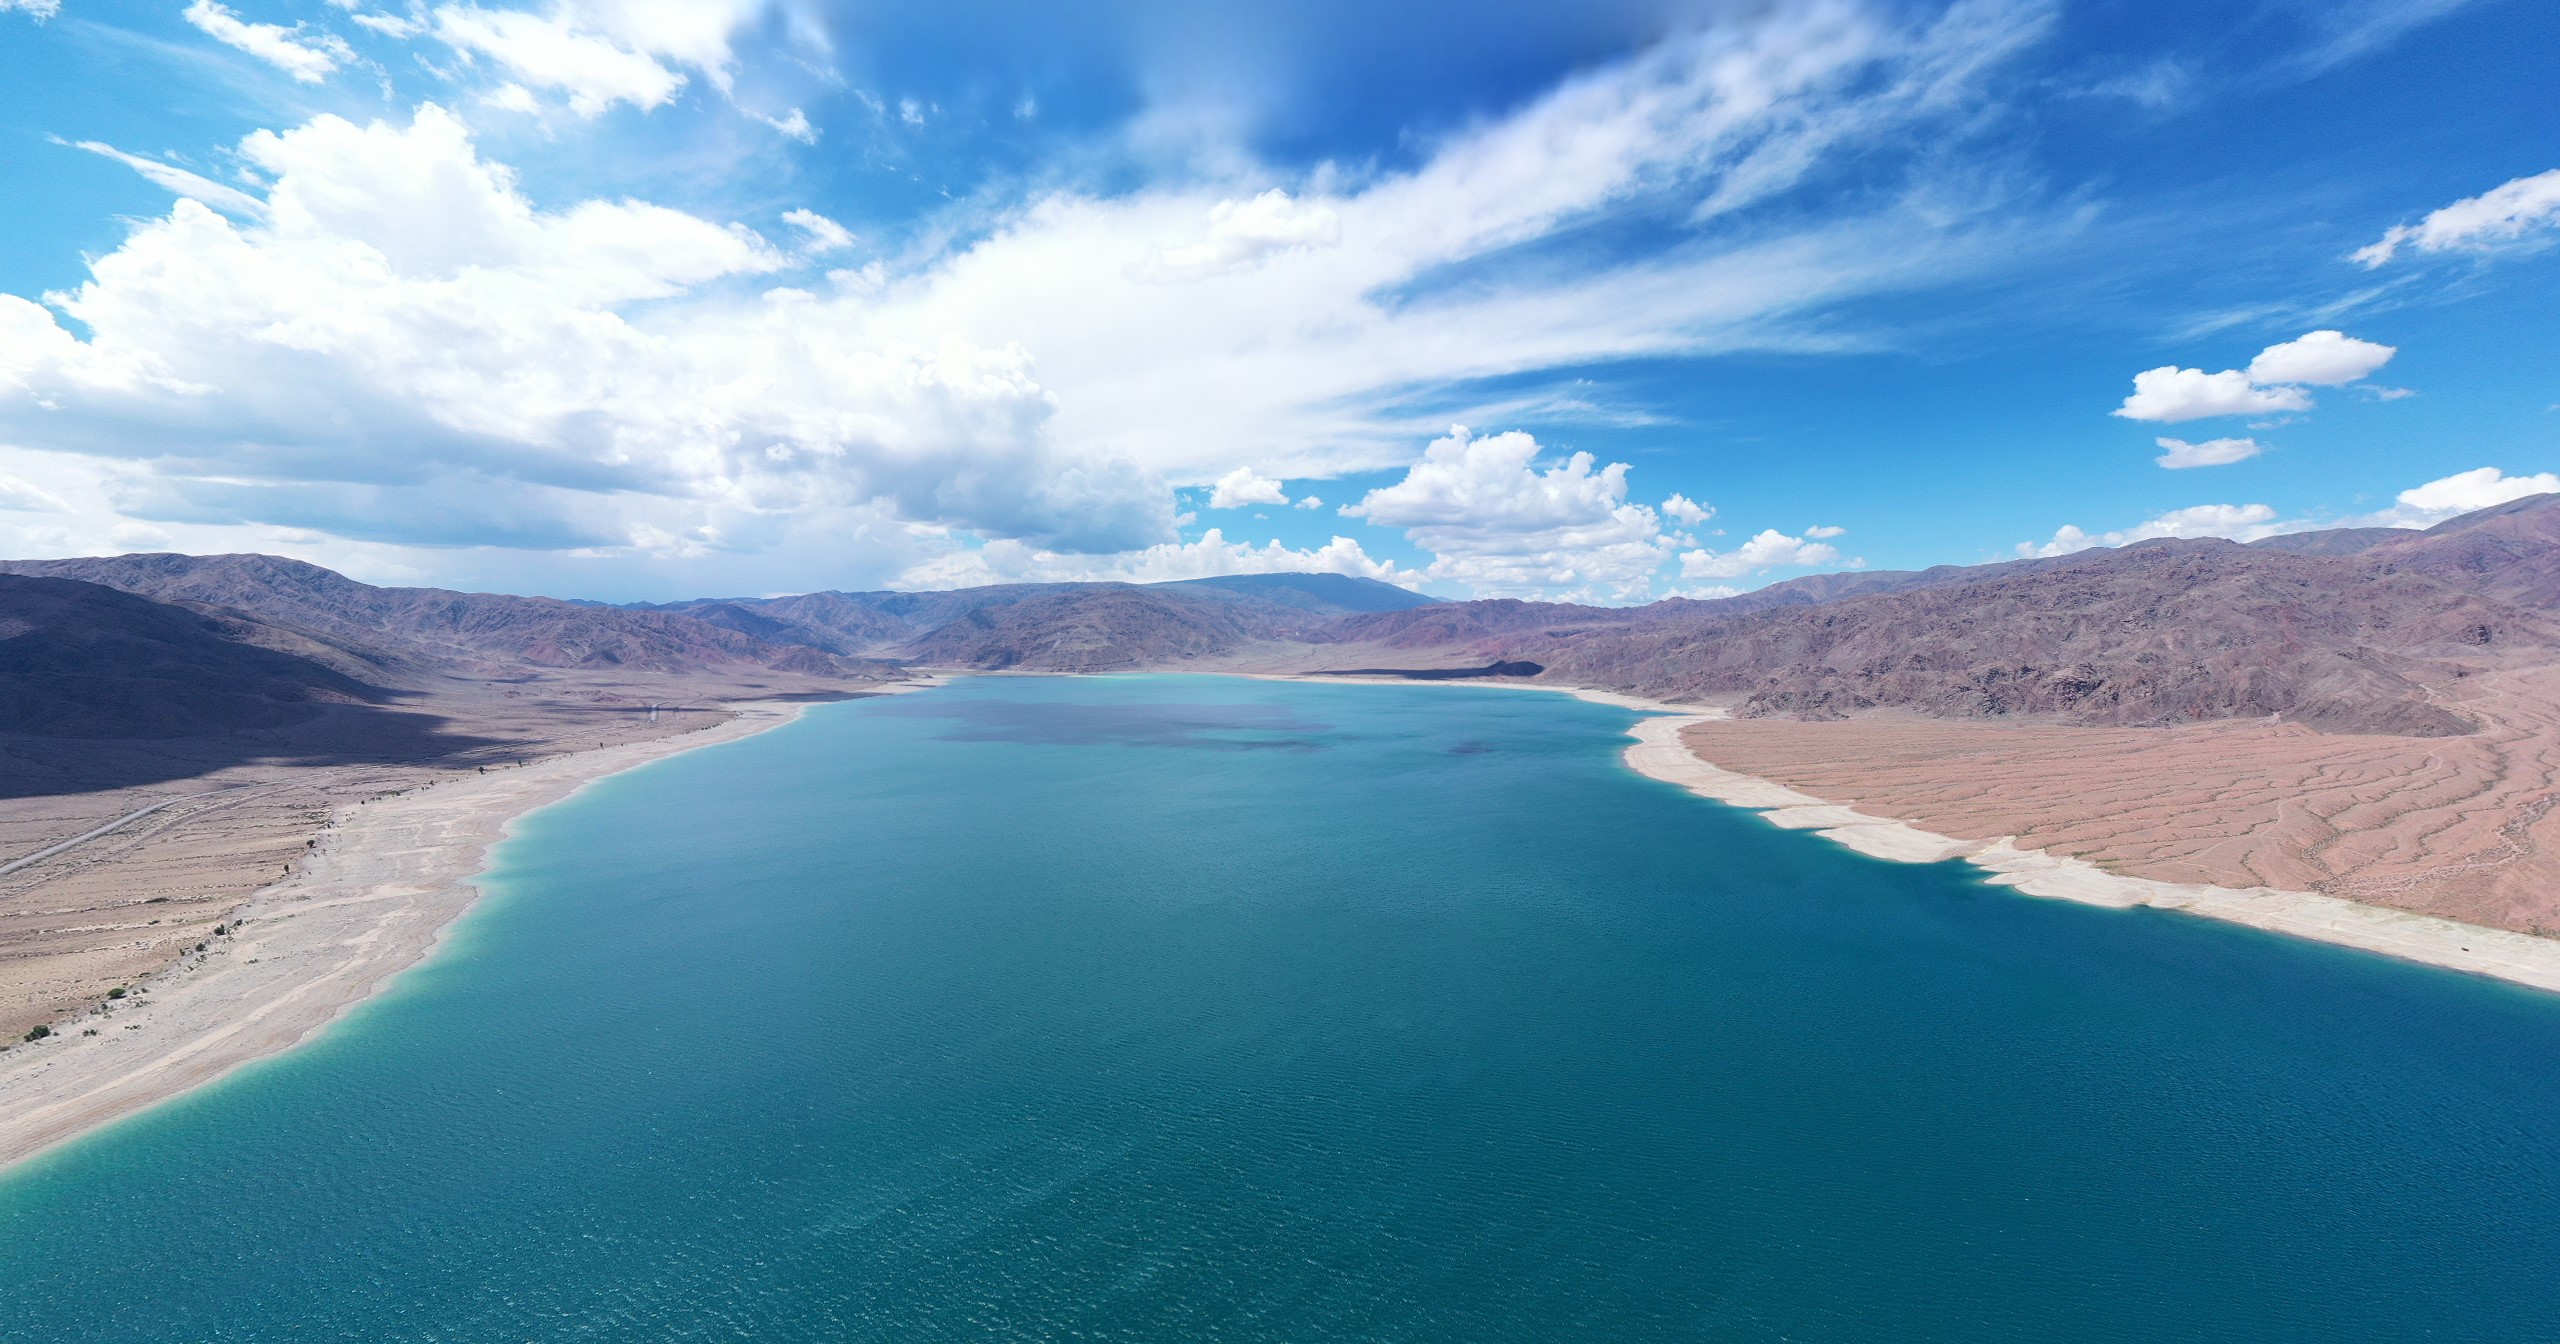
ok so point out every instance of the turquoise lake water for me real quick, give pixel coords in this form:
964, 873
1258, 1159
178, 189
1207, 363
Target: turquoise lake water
1170, 1008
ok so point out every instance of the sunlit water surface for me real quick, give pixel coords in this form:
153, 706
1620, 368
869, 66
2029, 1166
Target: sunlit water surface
1174, 1008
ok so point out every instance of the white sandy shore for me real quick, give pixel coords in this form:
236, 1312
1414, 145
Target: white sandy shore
1659, 753
374, 899
2522, 958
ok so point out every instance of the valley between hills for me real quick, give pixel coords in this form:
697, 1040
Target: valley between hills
2371, 714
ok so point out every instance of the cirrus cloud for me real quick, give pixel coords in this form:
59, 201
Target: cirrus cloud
2504, 214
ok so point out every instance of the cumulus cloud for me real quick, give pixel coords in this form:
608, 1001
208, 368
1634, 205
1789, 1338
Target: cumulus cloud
2235, 522
1210, 556
2505, 214
1498, 523
1771, 549
308, 56
2416, 507
2180, 454
2464, 491
404, 347
1686, 511
1242, 487
2320, 358
2272, 384
2170, 394
648, 373
39, 10
1245, 234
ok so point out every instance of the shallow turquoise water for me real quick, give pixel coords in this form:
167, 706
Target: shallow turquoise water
1191, 1009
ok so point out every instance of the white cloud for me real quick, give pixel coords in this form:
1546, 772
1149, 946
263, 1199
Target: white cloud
1821, 533
2452, 496
825, 235
1243, 235
179, 182
24, 496
1311, 502
405, 349
1241, 487
1212, 555
2417, 507
2504, 214
1686, 511
309, 57
389, 25
2236, 522
1771, 549
1498, 524
512, 97
794, 124
2169, 394
1308, 360
39, 10
2320, 358
2181, 454
405, 326
2272, 384
554, 52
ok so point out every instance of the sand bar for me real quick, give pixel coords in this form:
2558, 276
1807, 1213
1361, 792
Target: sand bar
373, 899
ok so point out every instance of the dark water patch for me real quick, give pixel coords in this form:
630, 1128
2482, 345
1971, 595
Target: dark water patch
1510, 669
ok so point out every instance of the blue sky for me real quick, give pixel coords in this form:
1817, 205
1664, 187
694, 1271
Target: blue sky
651, 298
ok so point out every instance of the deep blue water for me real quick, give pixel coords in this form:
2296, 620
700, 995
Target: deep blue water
1175, 1008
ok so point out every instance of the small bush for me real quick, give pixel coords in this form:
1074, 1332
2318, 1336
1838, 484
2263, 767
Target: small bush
38, 1032
116, 993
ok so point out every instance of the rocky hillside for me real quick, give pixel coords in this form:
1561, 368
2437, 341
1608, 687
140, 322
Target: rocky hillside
1060, 627
2354, 630
432, 627
2345, 630
81, 661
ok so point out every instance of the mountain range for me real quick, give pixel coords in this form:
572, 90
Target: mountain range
2352, 630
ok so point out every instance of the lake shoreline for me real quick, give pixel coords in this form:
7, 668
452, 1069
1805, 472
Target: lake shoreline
1658, 753
390, 878
381, 890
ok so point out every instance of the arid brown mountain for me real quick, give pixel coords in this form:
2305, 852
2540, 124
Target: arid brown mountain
2347, 631
2353, 630
1059, 627
431, 627
81, 661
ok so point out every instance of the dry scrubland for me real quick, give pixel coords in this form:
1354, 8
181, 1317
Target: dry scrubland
111, 910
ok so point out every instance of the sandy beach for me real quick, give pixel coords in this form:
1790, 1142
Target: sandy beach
1660, 752
374, 897
1669, 748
